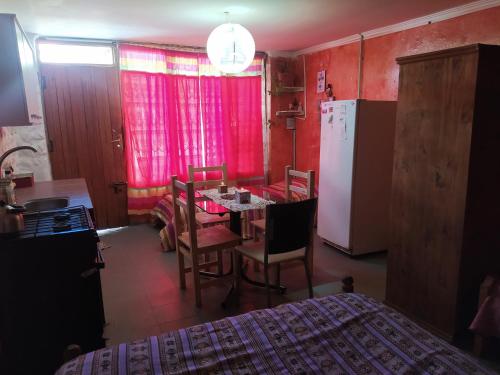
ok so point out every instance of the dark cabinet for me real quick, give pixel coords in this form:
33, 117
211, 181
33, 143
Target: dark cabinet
50, 292
19, 84
446, 182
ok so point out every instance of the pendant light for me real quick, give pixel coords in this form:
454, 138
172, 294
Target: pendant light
230, 47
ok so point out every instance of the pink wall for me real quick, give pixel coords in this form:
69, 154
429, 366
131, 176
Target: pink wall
380, 74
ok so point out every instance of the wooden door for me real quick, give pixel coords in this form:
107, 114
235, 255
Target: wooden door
84, 125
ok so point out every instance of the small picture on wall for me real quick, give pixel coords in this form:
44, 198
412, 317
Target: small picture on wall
321, 81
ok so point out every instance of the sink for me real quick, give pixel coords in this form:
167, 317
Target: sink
46, 204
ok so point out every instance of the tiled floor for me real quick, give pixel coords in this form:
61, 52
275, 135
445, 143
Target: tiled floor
142, 297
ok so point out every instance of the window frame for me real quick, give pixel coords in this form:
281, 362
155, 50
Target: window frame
77, 42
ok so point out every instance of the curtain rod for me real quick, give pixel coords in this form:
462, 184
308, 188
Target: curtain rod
175, 47
178, 47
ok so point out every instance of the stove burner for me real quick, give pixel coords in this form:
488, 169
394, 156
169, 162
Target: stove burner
46, 223
63, 216
61, 226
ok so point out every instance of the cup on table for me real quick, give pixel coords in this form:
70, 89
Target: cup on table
222, 188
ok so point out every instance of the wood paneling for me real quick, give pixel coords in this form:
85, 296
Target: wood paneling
83, 116
445, 175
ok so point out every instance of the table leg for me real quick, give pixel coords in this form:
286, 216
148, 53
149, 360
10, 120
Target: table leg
235, 222
245, 277
235, 226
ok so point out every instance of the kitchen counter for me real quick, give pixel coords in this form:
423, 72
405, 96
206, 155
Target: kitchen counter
75, 189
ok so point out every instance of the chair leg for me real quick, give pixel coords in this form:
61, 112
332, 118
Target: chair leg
237, 271
182, 272
255, 230
278, 274
268, 289
196, 280
308, 275
256, 267
220, 266
207, 258
310, 260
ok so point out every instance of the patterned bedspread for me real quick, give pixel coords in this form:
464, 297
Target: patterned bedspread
340, 334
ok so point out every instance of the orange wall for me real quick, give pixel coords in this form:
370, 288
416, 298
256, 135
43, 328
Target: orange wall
380, 74
341, 65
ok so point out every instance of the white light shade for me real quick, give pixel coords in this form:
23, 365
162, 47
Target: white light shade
230, 48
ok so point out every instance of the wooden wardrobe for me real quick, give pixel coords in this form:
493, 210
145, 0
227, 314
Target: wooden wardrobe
445, 205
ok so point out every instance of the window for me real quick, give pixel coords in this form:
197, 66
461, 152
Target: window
67, 53
179, 111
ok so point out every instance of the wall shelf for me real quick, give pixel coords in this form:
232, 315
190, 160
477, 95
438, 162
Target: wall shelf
279, 90
289, 113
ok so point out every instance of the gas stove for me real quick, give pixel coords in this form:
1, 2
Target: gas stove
60, 221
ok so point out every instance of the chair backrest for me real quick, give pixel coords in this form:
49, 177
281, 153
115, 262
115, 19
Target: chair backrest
185, 202
289, 226
208, 182
290, 174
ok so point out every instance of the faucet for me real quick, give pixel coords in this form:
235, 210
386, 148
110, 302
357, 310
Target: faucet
14, 149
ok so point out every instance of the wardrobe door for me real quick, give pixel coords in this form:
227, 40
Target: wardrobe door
432, 145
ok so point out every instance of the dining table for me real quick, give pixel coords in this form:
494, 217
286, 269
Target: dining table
215, 203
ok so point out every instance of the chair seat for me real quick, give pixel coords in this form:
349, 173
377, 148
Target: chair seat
255, 250
204, 218
212, 238
259, 224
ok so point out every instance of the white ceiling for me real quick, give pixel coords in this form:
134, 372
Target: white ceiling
277, 25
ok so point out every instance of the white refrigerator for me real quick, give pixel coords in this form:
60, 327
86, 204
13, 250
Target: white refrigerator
355, 174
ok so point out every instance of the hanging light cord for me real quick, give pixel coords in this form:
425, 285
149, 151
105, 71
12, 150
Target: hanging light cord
226, 13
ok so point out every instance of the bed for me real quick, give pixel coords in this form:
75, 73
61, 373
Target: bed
345, 333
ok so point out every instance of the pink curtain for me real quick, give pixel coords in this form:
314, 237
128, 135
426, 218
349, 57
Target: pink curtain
163, 129
177, 112
232, 116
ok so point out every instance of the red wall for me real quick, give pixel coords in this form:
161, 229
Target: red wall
341, 65
380, 75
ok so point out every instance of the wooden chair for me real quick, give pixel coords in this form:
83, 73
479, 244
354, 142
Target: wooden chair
307, 192
192, 242
288, 236
205, 219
